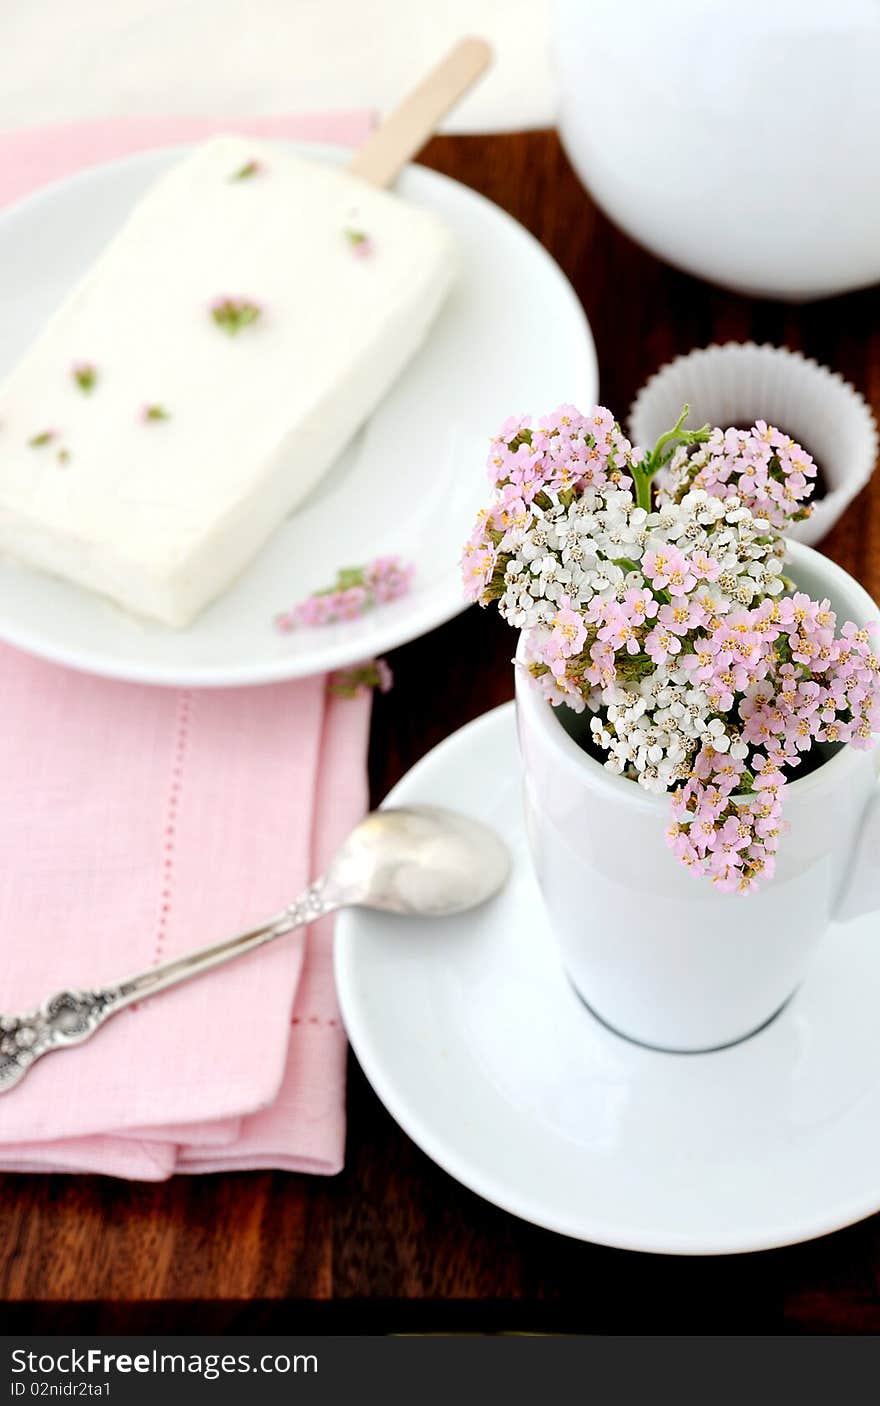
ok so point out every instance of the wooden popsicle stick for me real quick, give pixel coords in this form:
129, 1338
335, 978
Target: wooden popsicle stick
406, 129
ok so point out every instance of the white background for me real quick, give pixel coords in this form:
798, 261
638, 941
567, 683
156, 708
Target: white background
69, 59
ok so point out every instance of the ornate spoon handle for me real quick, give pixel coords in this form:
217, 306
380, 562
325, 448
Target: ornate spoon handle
70, 1017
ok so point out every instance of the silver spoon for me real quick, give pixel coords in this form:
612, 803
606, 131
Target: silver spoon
419, 860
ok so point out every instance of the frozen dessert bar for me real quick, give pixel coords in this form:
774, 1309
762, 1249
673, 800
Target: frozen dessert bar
207, 371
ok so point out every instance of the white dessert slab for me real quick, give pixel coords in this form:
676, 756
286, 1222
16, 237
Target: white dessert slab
476, 1043
512, 338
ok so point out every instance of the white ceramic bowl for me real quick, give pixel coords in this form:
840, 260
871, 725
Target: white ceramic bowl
736, 141
739, 383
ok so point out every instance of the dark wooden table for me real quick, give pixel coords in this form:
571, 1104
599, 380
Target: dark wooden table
393, 1243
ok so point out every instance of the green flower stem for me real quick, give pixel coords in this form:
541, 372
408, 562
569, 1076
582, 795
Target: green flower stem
663, 450
642, 478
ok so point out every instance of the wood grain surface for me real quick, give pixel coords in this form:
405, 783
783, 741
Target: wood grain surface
393, 1244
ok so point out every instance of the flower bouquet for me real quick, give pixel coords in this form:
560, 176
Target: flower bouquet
651, 591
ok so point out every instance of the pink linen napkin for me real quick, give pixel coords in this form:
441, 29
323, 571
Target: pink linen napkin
140, 822
35, 156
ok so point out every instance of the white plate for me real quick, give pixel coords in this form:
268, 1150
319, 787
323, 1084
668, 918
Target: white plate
512, 338
475, 1042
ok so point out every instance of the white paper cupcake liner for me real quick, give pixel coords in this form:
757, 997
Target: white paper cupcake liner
739, 383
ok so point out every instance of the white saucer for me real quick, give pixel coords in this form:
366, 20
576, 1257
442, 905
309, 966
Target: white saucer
475, 1042
512, 338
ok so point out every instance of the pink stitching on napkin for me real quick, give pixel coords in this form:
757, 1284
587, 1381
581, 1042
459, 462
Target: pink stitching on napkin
181, 735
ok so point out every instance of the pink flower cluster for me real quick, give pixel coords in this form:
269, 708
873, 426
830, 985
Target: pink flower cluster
771, 474
355, 591
360, 243
566, 454
707, 674
361, 679
826, 692
234, 313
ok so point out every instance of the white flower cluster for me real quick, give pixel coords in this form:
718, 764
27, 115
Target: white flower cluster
652, 731
570, 553
595, 556
575, 551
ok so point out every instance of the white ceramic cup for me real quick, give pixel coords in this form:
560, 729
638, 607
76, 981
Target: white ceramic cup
657, 954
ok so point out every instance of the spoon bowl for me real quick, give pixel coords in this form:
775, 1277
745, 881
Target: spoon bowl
423, 861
